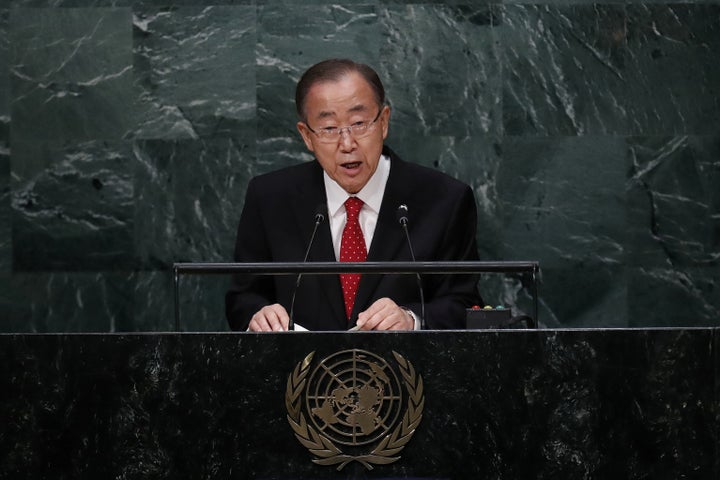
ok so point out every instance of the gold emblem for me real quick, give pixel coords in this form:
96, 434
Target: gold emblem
354, 401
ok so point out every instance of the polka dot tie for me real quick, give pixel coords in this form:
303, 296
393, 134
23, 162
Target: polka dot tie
352, 249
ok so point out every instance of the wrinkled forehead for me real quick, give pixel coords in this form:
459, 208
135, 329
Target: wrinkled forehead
348, 94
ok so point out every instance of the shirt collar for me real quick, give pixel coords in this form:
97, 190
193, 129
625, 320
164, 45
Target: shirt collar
371, 194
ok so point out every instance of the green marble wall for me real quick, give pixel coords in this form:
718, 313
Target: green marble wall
130, 128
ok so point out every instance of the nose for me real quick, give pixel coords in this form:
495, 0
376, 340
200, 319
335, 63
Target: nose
347, 141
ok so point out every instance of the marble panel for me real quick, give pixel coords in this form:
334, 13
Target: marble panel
673, 64
5, 213
126, 3
675, 235
7, 299
66, 302
441, 68
716, 406
562, 200
153, 302
4, 73
189, 195
674, 201
72, 206
202, 303
674, 296
564, 69
96, 367
569, 2
631, 394
5, 221
194, 71
69, 3
71, 74
315, 3
436, 3
584, 296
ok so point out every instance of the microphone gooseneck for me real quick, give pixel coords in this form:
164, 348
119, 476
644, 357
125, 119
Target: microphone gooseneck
320, 213
402, 216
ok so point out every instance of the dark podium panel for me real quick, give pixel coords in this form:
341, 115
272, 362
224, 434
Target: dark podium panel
496, 404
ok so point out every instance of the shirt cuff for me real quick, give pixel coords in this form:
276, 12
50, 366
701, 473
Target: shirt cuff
415, 318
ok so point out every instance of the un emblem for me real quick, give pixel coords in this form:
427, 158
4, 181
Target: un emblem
353, 406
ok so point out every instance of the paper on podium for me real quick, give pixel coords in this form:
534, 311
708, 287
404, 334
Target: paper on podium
300, 328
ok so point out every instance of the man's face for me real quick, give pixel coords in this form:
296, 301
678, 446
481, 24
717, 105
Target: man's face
349, 161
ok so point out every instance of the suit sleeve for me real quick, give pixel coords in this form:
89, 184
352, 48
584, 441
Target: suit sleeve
249, 293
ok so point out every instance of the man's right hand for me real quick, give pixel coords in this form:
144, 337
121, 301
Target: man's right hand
271, 318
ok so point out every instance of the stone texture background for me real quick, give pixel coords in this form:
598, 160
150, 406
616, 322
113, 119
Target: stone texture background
130, 128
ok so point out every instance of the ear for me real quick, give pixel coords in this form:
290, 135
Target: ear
305, 132
385, 120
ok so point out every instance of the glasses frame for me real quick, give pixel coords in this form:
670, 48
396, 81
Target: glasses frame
323, 134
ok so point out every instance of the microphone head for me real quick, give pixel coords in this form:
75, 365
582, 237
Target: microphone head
402, 214
320, 212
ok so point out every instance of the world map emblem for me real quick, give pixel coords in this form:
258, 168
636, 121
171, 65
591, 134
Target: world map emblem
354, 406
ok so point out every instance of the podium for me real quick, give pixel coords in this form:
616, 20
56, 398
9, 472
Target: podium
487, 404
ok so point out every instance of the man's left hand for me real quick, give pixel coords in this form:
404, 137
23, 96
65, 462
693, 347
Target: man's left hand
384, 314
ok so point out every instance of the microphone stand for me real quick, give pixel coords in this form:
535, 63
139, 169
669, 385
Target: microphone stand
402, 218
319, 217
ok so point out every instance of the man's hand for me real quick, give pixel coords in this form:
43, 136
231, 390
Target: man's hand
271, 318
384, 314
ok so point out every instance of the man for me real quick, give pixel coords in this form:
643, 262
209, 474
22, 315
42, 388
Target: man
344, 121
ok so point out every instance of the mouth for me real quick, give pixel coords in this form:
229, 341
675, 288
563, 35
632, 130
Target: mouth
351, 166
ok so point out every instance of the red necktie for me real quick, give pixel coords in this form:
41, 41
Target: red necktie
352, 249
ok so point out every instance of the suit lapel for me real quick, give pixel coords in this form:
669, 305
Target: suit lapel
309, 196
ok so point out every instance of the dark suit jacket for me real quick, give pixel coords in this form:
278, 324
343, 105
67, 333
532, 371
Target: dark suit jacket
277, 222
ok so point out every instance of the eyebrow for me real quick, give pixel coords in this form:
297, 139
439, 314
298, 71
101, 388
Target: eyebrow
356, 108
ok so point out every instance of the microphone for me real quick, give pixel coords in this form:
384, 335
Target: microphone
402, 217
320, 212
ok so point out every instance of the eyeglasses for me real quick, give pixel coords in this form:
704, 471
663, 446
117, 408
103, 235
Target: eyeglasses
357, 130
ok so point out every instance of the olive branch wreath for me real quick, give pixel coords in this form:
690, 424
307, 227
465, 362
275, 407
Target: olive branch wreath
325, 450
